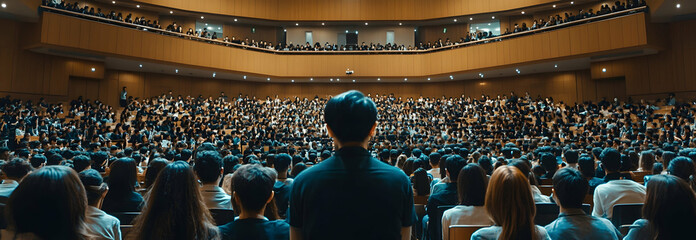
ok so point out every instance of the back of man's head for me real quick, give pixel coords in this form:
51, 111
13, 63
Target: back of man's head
282, 162
548, 161
16, 169
570, 187
207, 166
611, 160
253, 186
435, 159
586, 165
454, 164
350, 116
81, 162
37, 160
571, 156
94, 185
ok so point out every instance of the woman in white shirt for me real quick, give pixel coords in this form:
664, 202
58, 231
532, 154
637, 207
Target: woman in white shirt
471, 188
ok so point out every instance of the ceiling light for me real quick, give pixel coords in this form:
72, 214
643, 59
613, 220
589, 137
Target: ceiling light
455, 20
218, 28
138, 6
214, 74
399, 24
297, 24
405, 79
206, 24
94, 69
522, 12
202, 17
140, 65
113, 2
353, 80
471, 19
415, 30
604, 70
322, 24
555, 66
235, 19
292, 80
554, 6
245, 77
311, 79
176, 70
346, 31
268, 79
379, 79
338, 79
428, 79
678, 5
356, 32
285, 30
365, 24
451, 77
171, 12
571, 3
331, 80
3, 5
518, 71
493, 17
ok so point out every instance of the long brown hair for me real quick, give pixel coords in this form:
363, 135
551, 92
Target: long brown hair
50, 203
510, 204
670, 207
174, 208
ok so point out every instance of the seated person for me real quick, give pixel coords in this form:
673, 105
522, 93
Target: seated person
586, 165
253, 190
208, 168
523, 166
616, 190
122, 196
14, 171
283, 184
569, 189
446, 196
471, 189
669, 211
99, 224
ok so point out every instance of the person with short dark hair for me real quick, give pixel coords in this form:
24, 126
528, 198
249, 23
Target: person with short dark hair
586, 166
14, 171
351, 194
49, 204
99, 224
569, 190
669, 211
615, 190
38, 161
446, 195
208, 168
122, 196
682, 167
81, 163
154, 167
471, 189
253, 191
434, 160
283, 184
571, 157
549, 163
421, 182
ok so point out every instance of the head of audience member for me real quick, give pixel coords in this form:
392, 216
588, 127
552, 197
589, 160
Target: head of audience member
50, 203
253, 189
586, 165
647, 159
409, 166
670, 208
99, 160
667, 156
94, 186
208, 166
351, 118
548, 161
228, 163
471, 185
297, 169
611, 160
486, 163
282, 164
122, 177
569, 188
682, 167
435, 159
81, 162
510, 204
154, 167
455, 163
523, 166
165, 217
38, 161
16, 169
571, 156
657, 168
421, 182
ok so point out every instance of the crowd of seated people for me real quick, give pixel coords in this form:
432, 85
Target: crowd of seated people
266, 159
473, 36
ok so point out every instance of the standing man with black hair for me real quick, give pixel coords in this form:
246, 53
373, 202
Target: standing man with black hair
351, 195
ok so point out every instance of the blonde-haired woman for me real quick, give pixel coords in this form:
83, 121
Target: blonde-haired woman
510, 204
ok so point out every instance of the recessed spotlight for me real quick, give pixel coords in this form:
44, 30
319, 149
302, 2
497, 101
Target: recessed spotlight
554, 6
455, 20
353, 80
379, 79
292, 80
244, 77
493, 17
331, 80
268, 79
235, 19
522, 12
214, 74
346, 31
176, 70
405, 79
451, 77
604, 70
311, 79
481, 75
322, 24
400, 24
140, 65
678, 5
297, 24
365, 24
555, 66
428, 79
202, 17
138, 6
338, 79
415, 30
471, 19
285, 30
571, 3
113, 2
489, 24
171, 12
206, 24
356, 32
3, 5
94, 69
518, 71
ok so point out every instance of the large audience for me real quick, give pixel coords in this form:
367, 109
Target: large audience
473, 36
348, 166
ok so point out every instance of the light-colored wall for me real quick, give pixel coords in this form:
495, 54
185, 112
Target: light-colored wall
377, 34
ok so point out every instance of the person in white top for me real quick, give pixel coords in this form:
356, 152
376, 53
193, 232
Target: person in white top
208, 168
511, 207
471, 188
14, 171
614, 192
435, 164
99, 224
